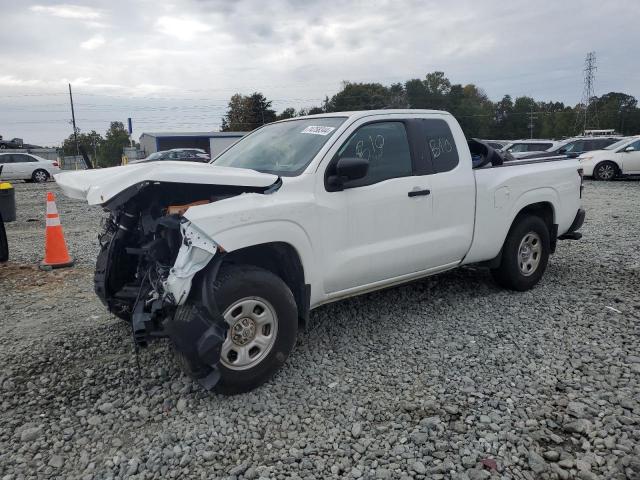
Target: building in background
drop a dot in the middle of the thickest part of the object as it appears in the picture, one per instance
(212, 142)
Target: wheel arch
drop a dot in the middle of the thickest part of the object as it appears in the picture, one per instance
(283, 260)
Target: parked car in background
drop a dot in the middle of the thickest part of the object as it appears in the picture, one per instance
(620, 158)
(519, 146)
(13, 143)
(573, 147)
(180, 154)
(27, 167)
(496, 144)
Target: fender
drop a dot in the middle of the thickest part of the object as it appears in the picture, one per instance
(253, 219)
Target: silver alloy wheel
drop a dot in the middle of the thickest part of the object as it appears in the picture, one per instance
(529, 253)
(606, 171)
(253, 327)
(40, 176)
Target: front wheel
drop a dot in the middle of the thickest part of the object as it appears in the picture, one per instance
(40, 176)
(525, 254)
(605, 171)
(262, 319)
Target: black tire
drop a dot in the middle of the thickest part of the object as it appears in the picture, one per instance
(40, 176)
(4, 244)
(514, 273)
(605, 171)
(235, 283)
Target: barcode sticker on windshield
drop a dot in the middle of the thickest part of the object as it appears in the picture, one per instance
(318, 130)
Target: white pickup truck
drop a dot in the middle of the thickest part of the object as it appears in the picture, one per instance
(228, 258)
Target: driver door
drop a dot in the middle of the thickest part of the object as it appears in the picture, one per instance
(373, 230)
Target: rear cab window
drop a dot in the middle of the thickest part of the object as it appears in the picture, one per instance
(435, 146)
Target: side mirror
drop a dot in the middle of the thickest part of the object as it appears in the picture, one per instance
(347, 169)
(573, 154)
(630, 149)
(562, 151)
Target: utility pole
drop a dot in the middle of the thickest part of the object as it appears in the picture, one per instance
(532, 117)
(73, 120)
(584, 119)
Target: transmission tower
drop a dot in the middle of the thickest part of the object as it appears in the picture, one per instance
(587, 113)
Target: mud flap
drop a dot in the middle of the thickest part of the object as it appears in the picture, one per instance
(199, 341)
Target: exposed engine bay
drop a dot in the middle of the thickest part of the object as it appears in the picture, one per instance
(150, 257)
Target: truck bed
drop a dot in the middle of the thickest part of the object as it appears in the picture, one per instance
(503, 190)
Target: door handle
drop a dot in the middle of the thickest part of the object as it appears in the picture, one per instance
(419, 193)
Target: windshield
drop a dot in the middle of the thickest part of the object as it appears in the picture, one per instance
(618, 144)
(155, 156)
(284, 148)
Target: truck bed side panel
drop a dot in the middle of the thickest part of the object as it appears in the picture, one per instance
(503, 192)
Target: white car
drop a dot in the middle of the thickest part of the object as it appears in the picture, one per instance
(27, 167)
(620, 158)
(518, 147)
(227, 259)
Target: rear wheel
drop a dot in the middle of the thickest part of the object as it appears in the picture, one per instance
(40, 176)
(605, 171)
(262, 320)
(524, 255)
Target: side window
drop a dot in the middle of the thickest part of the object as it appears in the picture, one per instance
(636, 145)
(538, 147)
(600, 144)
(5, 159)
(438, 143)
(24, 158)
(518, 147)
(385, 145)
(576, 146)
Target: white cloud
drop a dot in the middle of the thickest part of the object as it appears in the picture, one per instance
(12, 81)
(179, 62)
(182, 28)
(93, 43)
(65, 10)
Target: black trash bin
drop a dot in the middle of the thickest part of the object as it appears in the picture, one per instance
(4, 245)
(7, 202)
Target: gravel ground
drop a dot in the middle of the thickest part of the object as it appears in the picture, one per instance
(449, 377)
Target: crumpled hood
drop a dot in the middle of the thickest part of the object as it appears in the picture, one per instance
(100, 185)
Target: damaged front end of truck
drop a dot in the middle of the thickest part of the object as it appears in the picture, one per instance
(152, 259)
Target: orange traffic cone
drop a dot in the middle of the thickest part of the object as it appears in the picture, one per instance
(55, 248)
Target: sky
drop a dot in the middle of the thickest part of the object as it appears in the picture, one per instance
(172, 66)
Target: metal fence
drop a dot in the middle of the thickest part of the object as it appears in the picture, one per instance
(72, 162)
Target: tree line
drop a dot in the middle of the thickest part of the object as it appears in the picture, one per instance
(104, 151)
(479, 116)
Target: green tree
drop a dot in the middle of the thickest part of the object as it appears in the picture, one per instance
(618, 111)
(91, 142)
(115, 139)
(286, 113)
(360, 96)
(246, 113)
(433, 92)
